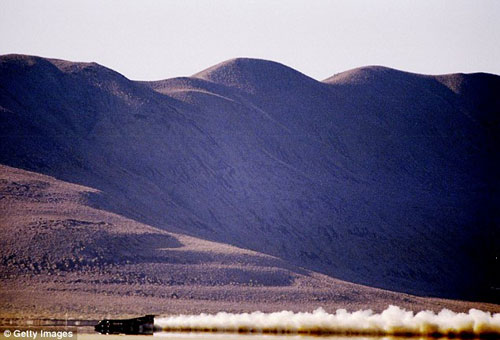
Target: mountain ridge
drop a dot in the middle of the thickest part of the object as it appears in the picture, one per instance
(325, 175)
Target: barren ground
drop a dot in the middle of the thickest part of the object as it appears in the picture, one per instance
(102, 264)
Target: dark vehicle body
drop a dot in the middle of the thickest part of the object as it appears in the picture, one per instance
(141, 325)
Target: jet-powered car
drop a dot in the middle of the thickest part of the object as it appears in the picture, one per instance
(141, 325)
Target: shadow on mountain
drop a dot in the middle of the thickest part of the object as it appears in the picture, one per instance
(374, 176)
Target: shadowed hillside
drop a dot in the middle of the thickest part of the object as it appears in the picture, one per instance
(60, 255)
(373, 176)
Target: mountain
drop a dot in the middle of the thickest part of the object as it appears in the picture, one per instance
(374, 176)
(61, 257)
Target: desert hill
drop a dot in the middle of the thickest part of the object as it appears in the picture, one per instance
(373, 176)
(61, 257)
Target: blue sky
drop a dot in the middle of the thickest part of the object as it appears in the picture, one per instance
(150, 39)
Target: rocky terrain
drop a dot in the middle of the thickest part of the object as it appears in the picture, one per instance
(248, 182)
(61, 257)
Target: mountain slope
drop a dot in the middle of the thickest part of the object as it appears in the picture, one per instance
(374, 176)
(60, 257)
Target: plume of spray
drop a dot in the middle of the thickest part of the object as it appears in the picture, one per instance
(391, 322)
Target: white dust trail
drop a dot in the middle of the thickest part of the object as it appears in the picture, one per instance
(392, 321)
